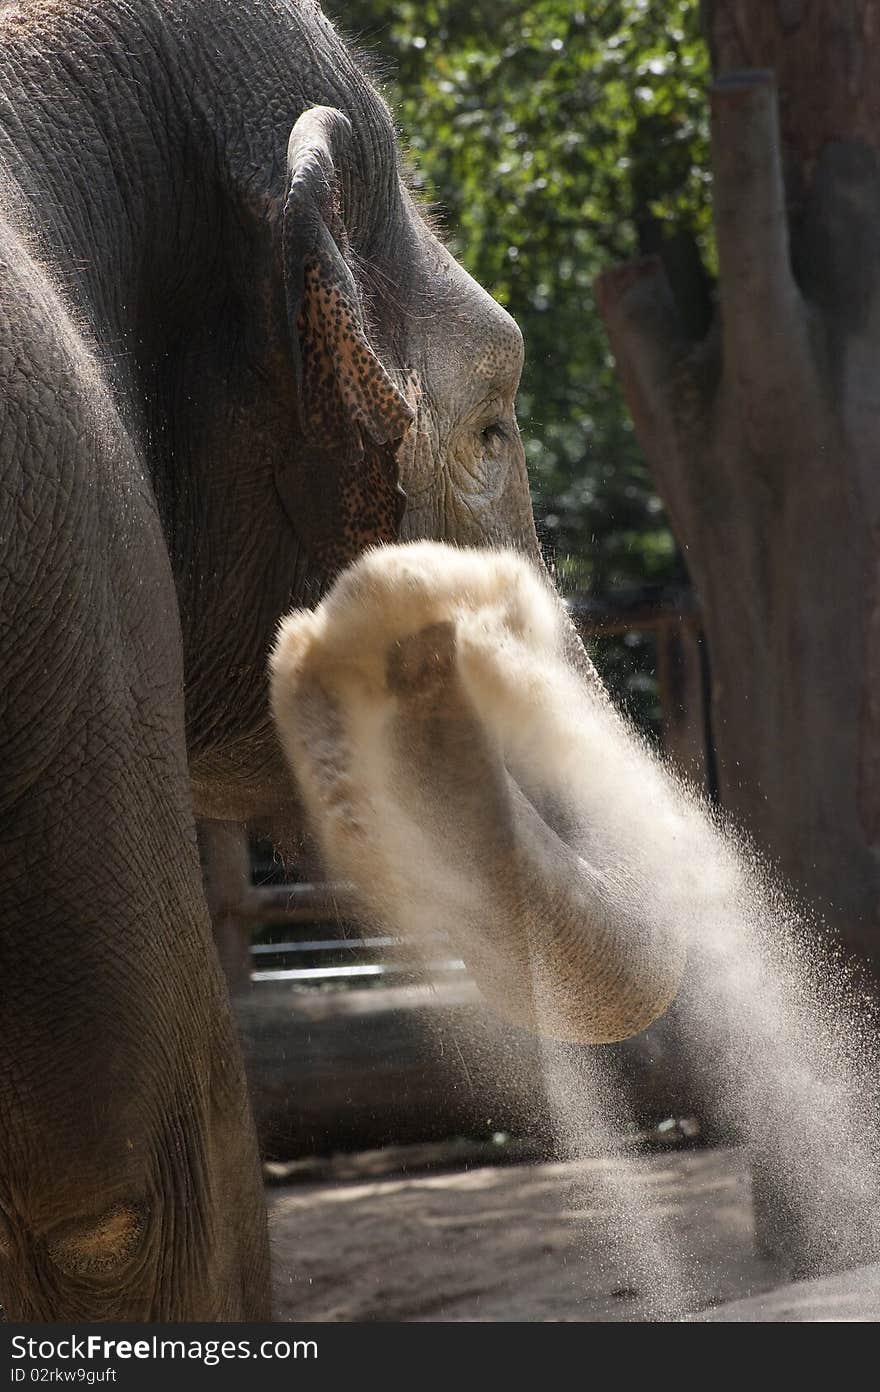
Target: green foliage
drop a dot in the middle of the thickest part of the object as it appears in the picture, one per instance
(555, 142)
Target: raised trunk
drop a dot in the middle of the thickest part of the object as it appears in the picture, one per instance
(440, 744)
(763, 438)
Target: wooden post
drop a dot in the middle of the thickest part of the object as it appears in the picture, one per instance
(680, 679)
(226, 867)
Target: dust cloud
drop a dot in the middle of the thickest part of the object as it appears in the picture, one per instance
(479, 791)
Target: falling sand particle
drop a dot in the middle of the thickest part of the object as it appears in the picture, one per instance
(477, 789)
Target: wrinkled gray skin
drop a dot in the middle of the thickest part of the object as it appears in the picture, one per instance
(159, 486)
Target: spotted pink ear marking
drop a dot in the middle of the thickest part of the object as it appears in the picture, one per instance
(353, 409)
(341, 373)
(343, 494)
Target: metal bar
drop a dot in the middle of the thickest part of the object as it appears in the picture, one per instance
(373, 969)
(324, 945)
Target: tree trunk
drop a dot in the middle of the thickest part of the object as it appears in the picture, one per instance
(764, 435)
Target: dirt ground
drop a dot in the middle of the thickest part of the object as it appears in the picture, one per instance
(516, 1243)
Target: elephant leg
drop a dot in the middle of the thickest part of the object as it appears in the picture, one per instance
(129, 1180)
(130, 1186)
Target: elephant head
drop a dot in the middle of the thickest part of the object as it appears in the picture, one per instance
(383, 411)
(406, 385)
(406, 392)
(401, 374)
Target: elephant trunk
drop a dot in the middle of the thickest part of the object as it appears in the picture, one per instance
(557, 944)
(457, 769)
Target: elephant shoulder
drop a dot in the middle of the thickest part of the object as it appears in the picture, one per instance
(57, 410)
(69, 467)
(40, 342)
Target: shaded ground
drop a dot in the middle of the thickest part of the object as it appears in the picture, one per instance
(519, 1242)
(850, 1297)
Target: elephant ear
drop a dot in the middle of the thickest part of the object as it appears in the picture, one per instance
(344, 494)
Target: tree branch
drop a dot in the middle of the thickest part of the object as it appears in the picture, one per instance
(766, 349)
(647, 339)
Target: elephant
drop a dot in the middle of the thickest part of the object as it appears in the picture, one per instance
(234, 356)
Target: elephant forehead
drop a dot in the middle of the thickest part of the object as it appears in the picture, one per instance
(469, 347)
(483, 351)
(498, 361)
